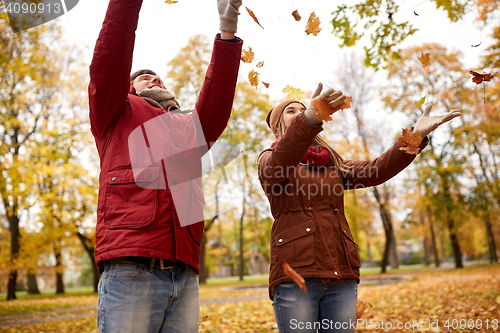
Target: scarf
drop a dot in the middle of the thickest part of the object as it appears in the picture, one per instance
(313, 157)
(160, 98)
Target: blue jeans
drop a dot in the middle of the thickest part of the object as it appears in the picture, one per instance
(327, 307)
(134, 299)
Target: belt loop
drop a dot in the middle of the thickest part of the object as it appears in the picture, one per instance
(152, 265)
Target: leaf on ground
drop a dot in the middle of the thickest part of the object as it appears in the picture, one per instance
(410, 140)
(421, 102)
(296, 15)
(171, 1)
(247, 56)
(265, 84)
(254, 17)
(260, 64)
(313, 25)
(253, 77)
(325, 110)
(292, 274)
(293, 93)
(361, 307)
(425, 59)
(478, 78)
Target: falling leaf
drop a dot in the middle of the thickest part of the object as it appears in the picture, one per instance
(414, 12)
(476, 45)
(478, 78)
(205, 318)
(425, 59)
(325, 109)
(265, 84)
(296, 15)
(247, 56)
(260, 64)
(362, 306)
(293, 93)
(170, 1)
(410, 140)
(299, 280)
(253, 77)
(254, 17)
(313, 25)
(421, 102)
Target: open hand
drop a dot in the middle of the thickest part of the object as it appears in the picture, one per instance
(426, 124)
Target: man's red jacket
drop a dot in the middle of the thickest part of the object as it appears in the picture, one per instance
(136, 215)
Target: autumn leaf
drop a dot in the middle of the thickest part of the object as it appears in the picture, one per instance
(313, 25)
(478, 78)
(247, 56)
(206, 317)
(265, 84)
(293, 93)
(410, 140)
(296, 15)
(253, 77)
(260, 64)
(292, 274)
(324, 109)
(421, 101)
(362, 306)
(425, 59)
(254, 17)
(414, 12)
(170, 1)
(476, 45)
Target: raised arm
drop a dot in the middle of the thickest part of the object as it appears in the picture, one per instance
(111, 64)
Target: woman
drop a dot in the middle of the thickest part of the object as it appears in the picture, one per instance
(304, 180)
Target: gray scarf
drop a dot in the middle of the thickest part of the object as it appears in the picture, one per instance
(160, 97)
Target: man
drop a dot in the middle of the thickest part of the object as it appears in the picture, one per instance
(150, 203)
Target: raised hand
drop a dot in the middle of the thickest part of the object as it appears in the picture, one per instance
(426, 124)
(335, 98)
(228, 14)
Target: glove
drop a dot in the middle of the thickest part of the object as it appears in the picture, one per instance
(335, 98)
(427, 124)
(228, 14)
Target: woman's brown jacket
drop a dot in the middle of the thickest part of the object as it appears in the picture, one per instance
(310, 231)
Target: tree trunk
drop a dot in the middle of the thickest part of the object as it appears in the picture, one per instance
(59, 273)
(425, 241)
(492, 248)
(90, 249)
(15, 235)
(32, 285)
(390, 241)
(433, 239)
(203, 268)
(454, 242)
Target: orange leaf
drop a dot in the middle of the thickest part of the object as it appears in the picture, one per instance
(247, 56)
(296, 15)
(205, 318)
(170, 1)
(265, 84)
(293, 93)
(425, 59)
(478, 78)
(410, 140)
(313, 25)
(362, 306)
(299, 280)
(253, 77)
(254, 17)
(260, 64)
(324, 109)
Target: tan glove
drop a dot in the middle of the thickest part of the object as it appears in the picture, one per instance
(228, 14)
(335, 98)
(426, 124)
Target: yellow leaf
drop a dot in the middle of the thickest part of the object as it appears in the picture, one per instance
(170, 1)
(421, 102)
(313, 25)
(253, 77)
(247, 56)
(293, 93)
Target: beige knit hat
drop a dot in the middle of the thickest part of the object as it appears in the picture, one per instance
(274, 115)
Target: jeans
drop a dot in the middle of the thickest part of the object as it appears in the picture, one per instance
(134, 299)
(327, 307)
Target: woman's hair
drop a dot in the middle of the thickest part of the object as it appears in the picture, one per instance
(335, 159)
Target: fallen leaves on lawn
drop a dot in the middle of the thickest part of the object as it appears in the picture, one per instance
(425, 59)
(247, 56)
(479, 78)
(202, 319)
(313, 25)
(361, 307)
(410, 140)
(293, 93)
(292, 274)
(325, 110)
(254, 17)
(296, 15)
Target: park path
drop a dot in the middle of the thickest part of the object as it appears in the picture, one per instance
(90, 310)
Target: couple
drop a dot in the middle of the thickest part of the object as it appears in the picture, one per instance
(150, 206)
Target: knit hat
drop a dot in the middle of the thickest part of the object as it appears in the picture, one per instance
(274, 115)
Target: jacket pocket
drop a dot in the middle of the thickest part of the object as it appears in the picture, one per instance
(295, 245)
(131, 203)
(197, 203)
(352, 248)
